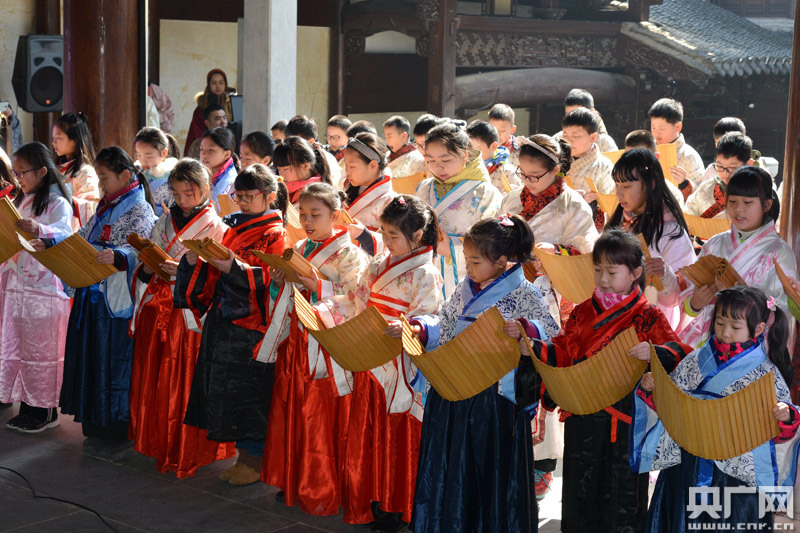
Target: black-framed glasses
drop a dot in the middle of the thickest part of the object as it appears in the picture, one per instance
(244, 198)
(729, 170)
(528, 177)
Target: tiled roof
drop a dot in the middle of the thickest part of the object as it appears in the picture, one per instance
(713, 40)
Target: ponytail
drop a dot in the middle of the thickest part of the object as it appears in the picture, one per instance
(778, 353)
(118, 161)
(173, 148)
(281, 202)
(508, 236)
(142, 179)
(320, 166)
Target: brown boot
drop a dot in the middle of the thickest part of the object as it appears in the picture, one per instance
(229, 473)
(245, 475)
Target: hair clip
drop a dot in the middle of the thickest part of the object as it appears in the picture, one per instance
(401, 200)
(506, 221)
(771, 303)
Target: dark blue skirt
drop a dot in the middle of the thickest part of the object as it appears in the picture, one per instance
(475, 467)
(97, 362)
(668, 513)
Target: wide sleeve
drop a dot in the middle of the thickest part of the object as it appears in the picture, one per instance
(340, 297)
(56, 222)
(676, 253)
(194, 287)
(427, 297)
(579, 229)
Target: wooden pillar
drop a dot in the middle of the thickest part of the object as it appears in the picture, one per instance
(337, 61)
(790, 209)
(101, 67)
(442, 61)
(48, 22)
(153, 41)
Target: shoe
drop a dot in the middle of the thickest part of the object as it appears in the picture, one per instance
(245, 475)
(34, 425)
(279, 496)
(15, 422)
(391, 524)
(228, 474)
(5, 405)
(542, 481)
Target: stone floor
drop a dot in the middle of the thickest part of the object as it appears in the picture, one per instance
(132, 495)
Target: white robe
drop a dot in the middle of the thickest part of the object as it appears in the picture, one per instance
(407, 164)
(595, 166)
(702, 198)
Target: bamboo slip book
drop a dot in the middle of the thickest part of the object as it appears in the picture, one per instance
(226, 205)
(357, 345)
(655, 281)
(597, 382)
(606, 202)
(710, 267)
(294, 231)
(471, 362)
(705, 228)
(408, 184)
(9, 243)
(291, 264)
(150, 255)
(72, 260)
(667, 156)
(787, 283)
(571, 275)
(207, 248)
(716, 429)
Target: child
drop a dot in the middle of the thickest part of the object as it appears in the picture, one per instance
(74, 155)
(32, 299)
(152, 148)
(306, 128)
(666, 123)
(581, 98)
(97, 374)
(733, 151)
(483, 137)
(476, 456)
(646, 207)
(256, 147)
(386, 414)
(336, 135)
(404, 158)
(304, 452)
(723, 126)
(368, 190)
(645, 139)
(459, 191)
(9, 186)
(501, 117)
(740, 350)
(231, 390)
(750, 246)
(165, 348)
(424, 124)
(600, 491)
(217, 153)
(278, 131)
(300, 164)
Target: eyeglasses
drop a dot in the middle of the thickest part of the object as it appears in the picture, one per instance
(527, 177)
(244, 198)
(727, 170)
(21, 173)
(335, 138)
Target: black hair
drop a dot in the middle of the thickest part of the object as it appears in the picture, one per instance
(580, 98)
(76, 127)
(727, 125)
(483, 131)
(154, 137)
(409, 214)
(190, 171)
(361, 126)
(502, 112)
(260, 177)
(294, 151)
(280, 125)
(735, 144)
(585, 118)
(210, 109)
(401, 123)
(451, 136)
(173, 148)
(333, 198)
(641, 139)
(260, 143)
(376, 144)
(302, 126)
(493, 239)
(619, 247)
(560, 149)
(754, 182)
(224, 138)
(426, 123)
(640, 164)
(37, 156)
(750, 303)
(118, 161)
(340, 121)
(668, 109)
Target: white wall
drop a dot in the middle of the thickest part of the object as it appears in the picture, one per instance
(16, 18)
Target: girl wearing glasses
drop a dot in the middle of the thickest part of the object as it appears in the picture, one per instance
(369, 189)
(33, 299)
(231, 390)
(167, 340)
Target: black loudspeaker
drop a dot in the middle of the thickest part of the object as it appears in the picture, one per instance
(38, 78)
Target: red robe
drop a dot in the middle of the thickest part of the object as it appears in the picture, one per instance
(165, 352)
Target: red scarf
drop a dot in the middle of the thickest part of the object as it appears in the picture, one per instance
(533, 203)
(296, 187)
(338, 154)
(718, 205)
(402, 151)
(108, 201)
(510, 144)
(725, 352)
(221, 170)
